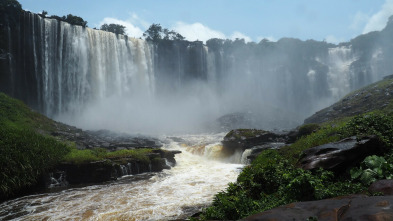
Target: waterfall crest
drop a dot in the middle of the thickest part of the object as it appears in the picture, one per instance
(78, 75)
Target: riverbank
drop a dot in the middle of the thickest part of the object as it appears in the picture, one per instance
(346, 153)
(37, 153)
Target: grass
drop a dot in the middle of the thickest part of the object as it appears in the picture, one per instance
(24, 156)
(324, 135)
(76, 156)
(27, 151)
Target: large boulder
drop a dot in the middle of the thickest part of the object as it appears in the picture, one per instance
(242, 139)
(338, 156)
(356, 207)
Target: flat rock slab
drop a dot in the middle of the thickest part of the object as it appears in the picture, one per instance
(356, 207)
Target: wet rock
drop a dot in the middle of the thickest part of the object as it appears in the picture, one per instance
(338, 156)
(356, 207)
(357, 102)
(382, 186)
(255, 151)
(242, 139)
(92, 172)
(104, 139)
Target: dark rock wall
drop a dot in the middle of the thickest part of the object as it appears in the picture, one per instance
(58, 68)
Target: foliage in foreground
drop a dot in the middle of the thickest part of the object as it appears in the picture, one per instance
(24, 156)
(273, 179)
(272, 182)
(373, 168)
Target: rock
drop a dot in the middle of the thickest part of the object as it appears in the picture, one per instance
(357, 102)
(247, 138)
(168, 155)
(92, 172)
(255, 151)
(338, 156)
(382, 186)
(356, 207)
(104, 139)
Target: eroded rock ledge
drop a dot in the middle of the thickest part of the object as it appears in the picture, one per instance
(355, 207)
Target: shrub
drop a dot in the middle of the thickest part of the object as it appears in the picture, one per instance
(372, 168)
(371, 124)
(267, 184)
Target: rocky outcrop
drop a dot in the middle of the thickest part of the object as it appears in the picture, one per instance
(256, 150)
(110, 169)
(376, 96)
(103, 139)
(247, 138)
(357, 207)
(338, 156)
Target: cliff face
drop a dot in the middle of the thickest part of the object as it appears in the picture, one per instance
(61, 69)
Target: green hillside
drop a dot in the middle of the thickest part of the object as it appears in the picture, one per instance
(25, 153)
(375, 97)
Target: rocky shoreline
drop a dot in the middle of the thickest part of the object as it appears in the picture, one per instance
(94, 172)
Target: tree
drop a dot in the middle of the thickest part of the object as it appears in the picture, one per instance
(6, 5)
(153, 33)
(114, 28)
(44, 13)
(156, 33)
(74, 20)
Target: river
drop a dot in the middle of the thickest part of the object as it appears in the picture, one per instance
(172, 194)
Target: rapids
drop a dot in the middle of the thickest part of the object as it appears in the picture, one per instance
(171, 194)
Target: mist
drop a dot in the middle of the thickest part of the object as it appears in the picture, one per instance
(98, 80)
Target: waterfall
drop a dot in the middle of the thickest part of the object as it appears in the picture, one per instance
(339, 75)
(78, 75)
(75, 66)
(244, 160)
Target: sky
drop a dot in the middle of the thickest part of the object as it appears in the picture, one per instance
(322, 20)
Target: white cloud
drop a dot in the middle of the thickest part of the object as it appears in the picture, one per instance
(138, 21)
(333, 39)
(197, 31)
(192, 32)
(240, 35)
(359, 20)
(378, 20)
(132, 28)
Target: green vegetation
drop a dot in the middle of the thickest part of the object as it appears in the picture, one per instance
(273, 182)
(114, 28)
(72, 19)
(373, 168)
(24, 156)
(27, 151)
(375, 98)
(24, 153)
(156, 33)
(10, 5)
(273, 178)
(76, 156)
